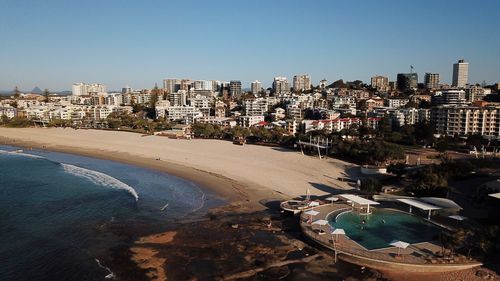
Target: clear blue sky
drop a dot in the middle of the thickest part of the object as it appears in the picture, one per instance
(54, 43)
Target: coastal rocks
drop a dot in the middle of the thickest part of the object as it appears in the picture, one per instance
(146, 257)
(484, 275)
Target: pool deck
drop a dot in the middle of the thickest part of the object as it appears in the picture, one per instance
(421, 257)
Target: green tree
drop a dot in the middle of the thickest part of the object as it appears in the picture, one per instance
(442, 145)
(398, 169)
(46, 95)
(424, 133)
(430, 181)
(371, 186)
(475, 140)
(239, 132)
(17, 93)
(202, 130)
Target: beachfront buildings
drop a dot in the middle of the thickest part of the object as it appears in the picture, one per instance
(339, 124)
(335, 107)
(453, 120)
(249, 121)
(183, 114)
(403, 116)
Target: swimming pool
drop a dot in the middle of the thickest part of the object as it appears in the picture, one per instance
(384, 226)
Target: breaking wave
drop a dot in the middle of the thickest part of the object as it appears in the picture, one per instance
(99, 178)
(20, 153)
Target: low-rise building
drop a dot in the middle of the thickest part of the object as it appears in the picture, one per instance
(249, 121)
(335, 125)
(184, 114)
(397, 102)
(8, 111)
(219, 121)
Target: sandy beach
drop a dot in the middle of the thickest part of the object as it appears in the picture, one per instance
(251, 169)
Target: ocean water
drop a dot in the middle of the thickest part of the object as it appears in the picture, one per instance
(56, 208)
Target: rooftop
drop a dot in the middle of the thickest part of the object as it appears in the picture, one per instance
(358, 200)
(419, 204)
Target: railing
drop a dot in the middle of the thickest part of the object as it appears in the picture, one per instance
(345, 245)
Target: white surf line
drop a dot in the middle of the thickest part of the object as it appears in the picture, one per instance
(21, 154)
(110, 274)
(99, 178)
(202, 203)
(164, 207)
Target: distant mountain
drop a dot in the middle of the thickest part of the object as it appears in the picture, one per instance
(36, 90)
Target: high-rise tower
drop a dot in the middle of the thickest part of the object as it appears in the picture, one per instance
(460, 74)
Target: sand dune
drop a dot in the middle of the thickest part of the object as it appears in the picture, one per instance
(286, 172)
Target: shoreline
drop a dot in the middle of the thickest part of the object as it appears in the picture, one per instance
(245, 213)
(243, 195)
(234, 240)
(143, 251)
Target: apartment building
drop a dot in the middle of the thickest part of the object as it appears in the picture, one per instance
(467, 120)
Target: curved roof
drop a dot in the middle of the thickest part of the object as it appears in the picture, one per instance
(441, 202)
(419, 204)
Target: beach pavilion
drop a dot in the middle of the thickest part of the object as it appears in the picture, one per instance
(420, 205)
(360, 201)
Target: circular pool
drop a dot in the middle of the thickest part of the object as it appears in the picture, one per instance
(383, 226)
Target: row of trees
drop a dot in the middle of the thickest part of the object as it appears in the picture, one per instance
(16, 122)
(254, 134)
(468, 239)
(372, 152)
(432, 180)
(122, 120)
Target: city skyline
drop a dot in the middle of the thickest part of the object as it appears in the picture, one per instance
(141, 44)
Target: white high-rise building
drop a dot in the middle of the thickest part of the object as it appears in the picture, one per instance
(302, 82)
(281, 85)
(203, 85)
(83, 89)
(256, 87)
(460, 74)
(172, 85)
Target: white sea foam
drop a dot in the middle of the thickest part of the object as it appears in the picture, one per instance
(110, 274)
(20, 154)
(202, 199)
(99, 178)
